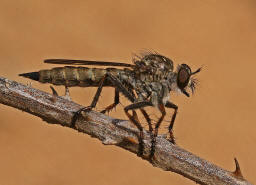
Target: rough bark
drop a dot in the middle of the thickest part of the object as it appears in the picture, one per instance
(169, 157)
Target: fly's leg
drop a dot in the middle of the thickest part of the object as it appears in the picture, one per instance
(175, 107)
(150, 128)
(116, 82)
(134, 119)
(153, 145)
(93, 104)
(121, 88)
(116, 101)
(113, 105)
(146, 116)
(135, 116)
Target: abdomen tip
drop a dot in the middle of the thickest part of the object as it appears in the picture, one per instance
(32, 75)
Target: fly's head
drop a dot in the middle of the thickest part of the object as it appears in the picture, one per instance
(185, 79)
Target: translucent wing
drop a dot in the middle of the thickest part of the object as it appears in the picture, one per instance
(86, 62)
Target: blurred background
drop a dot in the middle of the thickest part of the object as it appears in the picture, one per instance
(217, 123)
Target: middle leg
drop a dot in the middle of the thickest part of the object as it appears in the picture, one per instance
(113, 105)
(133, 118)
(153, 145)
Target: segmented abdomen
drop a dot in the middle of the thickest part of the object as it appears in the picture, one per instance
(74, 76)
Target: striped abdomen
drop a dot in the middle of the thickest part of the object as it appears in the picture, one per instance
(71, 76)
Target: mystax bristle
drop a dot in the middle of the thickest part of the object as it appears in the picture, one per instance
(33, 75)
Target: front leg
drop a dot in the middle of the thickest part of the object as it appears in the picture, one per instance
(175, 107)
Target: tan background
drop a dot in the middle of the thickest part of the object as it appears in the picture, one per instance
(218, 123)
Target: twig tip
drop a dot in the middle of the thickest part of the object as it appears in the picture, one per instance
(237, 173)
(54, 93)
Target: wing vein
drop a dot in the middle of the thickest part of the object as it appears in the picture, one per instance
(86, 62)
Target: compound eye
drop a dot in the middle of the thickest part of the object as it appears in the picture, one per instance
(183, 78)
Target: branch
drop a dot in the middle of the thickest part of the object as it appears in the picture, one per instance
(110, 131)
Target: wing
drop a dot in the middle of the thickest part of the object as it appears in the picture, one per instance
(86, 62)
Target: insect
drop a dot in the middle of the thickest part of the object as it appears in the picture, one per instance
(146, 82)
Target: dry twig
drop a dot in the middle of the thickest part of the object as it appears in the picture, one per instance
(111, 131)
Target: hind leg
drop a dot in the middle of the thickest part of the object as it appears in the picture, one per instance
(93, 104)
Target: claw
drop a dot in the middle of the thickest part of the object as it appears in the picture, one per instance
(172, 138)
(141, 144)
(103, 112)
(77, 114)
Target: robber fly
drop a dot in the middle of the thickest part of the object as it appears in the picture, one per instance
(146, 82)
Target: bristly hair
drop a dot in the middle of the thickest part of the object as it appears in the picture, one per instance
(143, 53)
(193, 84)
